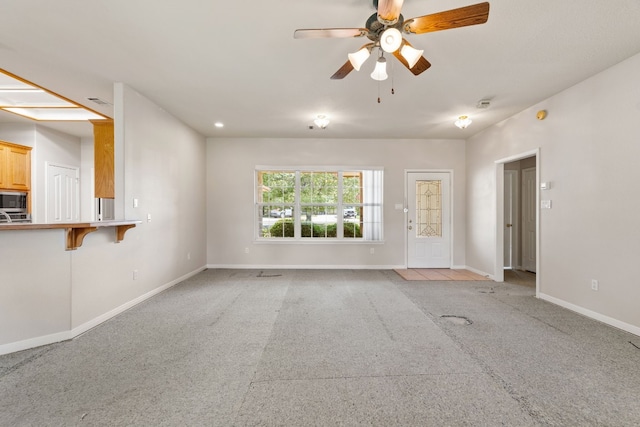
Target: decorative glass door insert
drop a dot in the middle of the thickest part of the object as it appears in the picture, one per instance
(429, 208)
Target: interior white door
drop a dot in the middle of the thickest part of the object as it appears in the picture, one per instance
(529, 207)
(510, 216)
(428, 220)
(62, 200)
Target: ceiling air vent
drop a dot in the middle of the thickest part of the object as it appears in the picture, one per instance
(483, 103)
(99, 101)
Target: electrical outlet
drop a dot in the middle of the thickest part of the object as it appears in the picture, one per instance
(188, 255)
(135, 274)
(594, 285)
(372, 251)
(246, 250)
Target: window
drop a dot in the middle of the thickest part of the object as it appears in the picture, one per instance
(319, 205)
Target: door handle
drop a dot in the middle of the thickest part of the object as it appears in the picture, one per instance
(509, 225)
(410, 228)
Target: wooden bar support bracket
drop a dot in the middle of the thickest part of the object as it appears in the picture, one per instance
(120, 230)
(75, 236)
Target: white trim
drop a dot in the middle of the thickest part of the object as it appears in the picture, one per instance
(592, 314)
(67, 335)
(480, 272)
(126, 306)
(34, 342)
(321, 168)
(304, 267)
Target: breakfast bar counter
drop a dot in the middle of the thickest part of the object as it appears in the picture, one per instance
(76, 231)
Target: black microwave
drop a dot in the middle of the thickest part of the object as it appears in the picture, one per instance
(13, 201)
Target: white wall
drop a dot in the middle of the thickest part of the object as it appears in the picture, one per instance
(164, 168)
(589, 152)
(48, 294)
(230, 198)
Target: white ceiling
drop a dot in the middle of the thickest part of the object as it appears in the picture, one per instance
(237, 62)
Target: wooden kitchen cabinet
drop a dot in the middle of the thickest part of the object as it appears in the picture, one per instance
(104, 159)
(15, 167)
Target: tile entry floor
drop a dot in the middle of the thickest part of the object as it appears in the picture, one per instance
(441, 274)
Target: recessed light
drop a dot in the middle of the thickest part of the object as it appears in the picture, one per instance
(219, 124)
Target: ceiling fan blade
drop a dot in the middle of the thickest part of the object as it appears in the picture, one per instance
(454, 18)
(322, 33)
(419, 67)
(343, 71)
(389, 11)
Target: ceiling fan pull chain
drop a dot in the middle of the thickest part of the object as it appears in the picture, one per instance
(393, 91)
(378, 91)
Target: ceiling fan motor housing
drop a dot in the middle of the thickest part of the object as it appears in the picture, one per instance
(376, 28)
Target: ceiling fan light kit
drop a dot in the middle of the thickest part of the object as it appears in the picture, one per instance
(390, 40)
(380, 72)
(385, 29)
(358, 58)
(411, 54)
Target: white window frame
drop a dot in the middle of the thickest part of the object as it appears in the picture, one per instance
(370, 234)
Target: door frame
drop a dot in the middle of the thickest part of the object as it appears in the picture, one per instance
(451, 211)
(500, 224)
(515, 221)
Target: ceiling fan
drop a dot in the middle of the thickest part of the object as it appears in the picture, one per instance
(385, 27)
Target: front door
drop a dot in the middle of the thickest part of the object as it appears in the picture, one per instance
(428, 220)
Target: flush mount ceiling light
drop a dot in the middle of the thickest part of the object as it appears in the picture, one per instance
(26, 99)
(321, 121)
(463, 122)
(219, 125)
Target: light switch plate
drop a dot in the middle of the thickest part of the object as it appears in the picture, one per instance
(545, 204)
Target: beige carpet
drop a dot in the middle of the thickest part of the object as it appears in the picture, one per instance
(438, 274)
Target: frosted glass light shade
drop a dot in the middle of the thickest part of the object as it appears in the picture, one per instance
(390, 40)
(321, 121)
(463, 122)
(411, 54)
(380, 72)
(358, 58)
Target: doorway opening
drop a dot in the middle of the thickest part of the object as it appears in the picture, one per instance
(517, 219)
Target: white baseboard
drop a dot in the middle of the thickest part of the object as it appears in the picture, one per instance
(480, 272)
(34, 342)
(592, 314)
(303, 267)
(126, 306)
(67, 335)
